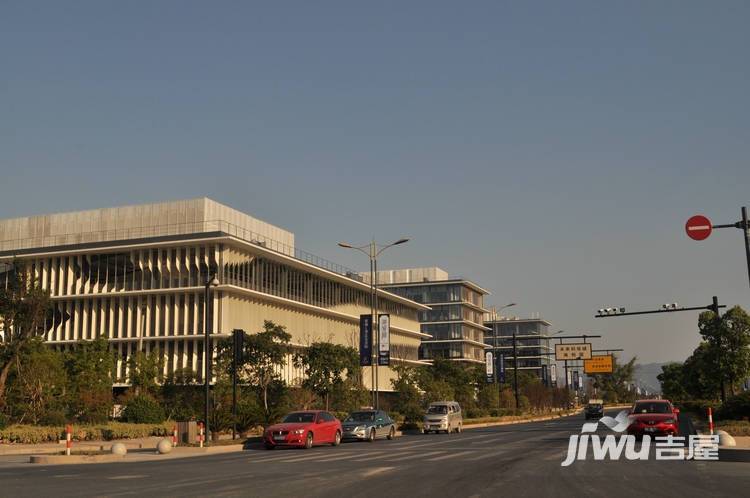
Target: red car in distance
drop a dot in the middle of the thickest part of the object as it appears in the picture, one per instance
(304, 429)
(655, 417)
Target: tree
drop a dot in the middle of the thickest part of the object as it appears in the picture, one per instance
(326, 366)
(145, 371)
(262, 355)
(616, 385)
(672, 380)
(90, 367)
(728, 338)
(698, 373)
(409, 400)
(37, 386)
(24, 311)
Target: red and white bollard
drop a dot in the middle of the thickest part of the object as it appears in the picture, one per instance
(710, 421)
(174, 436)
(68, 439)
(200, 433)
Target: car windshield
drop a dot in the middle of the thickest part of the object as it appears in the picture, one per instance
(360, 417)
(595, 405)
(299, 418)
(439, 409)
(651, 408)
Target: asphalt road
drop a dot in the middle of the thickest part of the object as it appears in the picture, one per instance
(518, 460)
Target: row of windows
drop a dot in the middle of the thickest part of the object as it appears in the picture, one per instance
(123, 317)
(281, 280)
(443, 331)
(439, 293)
(521, 328)
(180, 267)
(442, 313)
(453, 350)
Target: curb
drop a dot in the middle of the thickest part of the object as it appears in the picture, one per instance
(65, 459)
(523, 421)
(727, 454)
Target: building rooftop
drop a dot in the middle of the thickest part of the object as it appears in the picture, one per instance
(135, 222)
(417, 276)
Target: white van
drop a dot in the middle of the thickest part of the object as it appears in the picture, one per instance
(443, 416)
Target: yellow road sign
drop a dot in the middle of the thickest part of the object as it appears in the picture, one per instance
(598, 364)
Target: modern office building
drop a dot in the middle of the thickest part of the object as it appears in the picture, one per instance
(137, 276)
(532, 342)
(454, 320)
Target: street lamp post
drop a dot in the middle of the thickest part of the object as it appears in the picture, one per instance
(373, 250)
(207, 317)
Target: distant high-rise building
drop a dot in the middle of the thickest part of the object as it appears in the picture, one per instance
(532, 342)
(454, 321)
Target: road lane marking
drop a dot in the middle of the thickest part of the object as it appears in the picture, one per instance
(449, 455)
(416, 456)
(377, 470)
(135, 476)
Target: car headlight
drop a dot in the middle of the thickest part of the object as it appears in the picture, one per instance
(299, 431)
(359, 428)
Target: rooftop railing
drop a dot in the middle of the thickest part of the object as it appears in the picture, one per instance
(225, 227)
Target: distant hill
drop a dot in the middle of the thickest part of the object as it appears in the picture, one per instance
(645, 376)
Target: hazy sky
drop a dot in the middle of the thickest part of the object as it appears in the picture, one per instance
(551, 151)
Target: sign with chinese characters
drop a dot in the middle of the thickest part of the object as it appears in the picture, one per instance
(553, 374)
(365, 340)
(501, 368)
(384, 340)
(598, 364)
(573, 351)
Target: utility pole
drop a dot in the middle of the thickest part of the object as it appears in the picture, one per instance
(515, 369)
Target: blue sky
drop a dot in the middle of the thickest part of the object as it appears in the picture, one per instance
(551, 151)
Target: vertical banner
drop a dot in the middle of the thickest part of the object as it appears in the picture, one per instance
(501, 368)
(489, 367)
(365, 340)
(553, 374)
(384, 340)
(545, 381)
(576, 380)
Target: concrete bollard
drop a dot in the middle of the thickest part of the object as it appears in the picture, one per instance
(164, 446)
(174, 436)
(200, 433)
(725, 439)
(118, 449)
(710, 421)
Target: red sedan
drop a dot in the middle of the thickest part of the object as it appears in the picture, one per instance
(655, 417)
(304, 429)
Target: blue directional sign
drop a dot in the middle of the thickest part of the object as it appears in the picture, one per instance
(365, 340)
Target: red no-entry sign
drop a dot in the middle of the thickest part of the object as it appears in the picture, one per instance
(698, 227)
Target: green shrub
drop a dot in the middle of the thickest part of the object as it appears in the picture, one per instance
(142, 409)
(697, 406)
(33, 434)
(735, 408)
(3, 420)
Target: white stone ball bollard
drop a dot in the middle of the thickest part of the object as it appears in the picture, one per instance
(164, 446)
(118, 449)
(725, 439)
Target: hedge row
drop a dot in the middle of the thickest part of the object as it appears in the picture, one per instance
(32, 434)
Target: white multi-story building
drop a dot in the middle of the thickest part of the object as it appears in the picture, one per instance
(137, 275)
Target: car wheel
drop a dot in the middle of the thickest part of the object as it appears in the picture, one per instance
(309, 441)
(337, 439)
(392, 433)
(371, 437)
